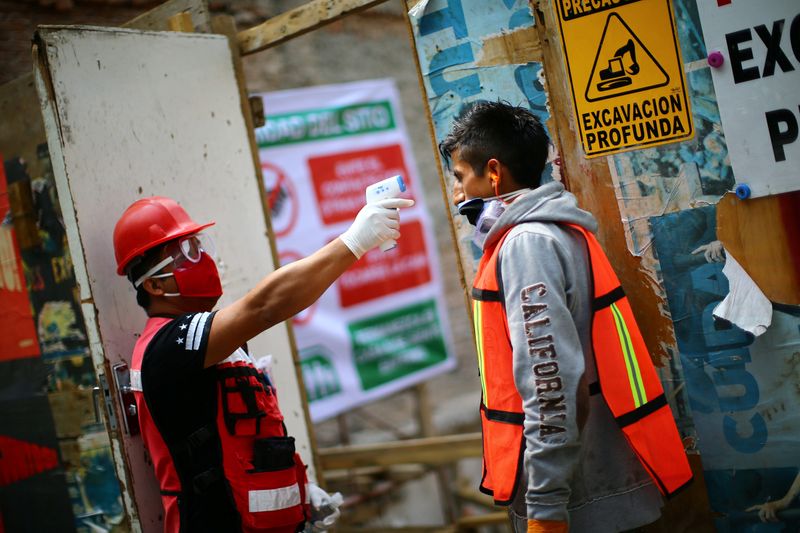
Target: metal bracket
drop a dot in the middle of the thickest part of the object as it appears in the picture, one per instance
(127, 401)
(106, 392)
(257, 110)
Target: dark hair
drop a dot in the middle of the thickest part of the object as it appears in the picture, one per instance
(137, 268)
(512, 135)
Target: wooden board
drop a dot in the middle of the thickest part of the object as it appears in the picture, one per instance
(763, 234)
(294, 23)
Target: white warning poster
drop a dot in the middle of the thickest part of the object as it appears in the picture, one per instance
(757, 83)
(383, 326)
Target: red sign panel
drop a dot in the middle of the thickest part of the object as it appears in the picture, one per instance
(379, 273)
(17, 330)
(340, 179)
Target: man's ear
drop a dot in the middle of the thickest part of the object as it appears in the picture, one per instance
(494, 169)
(154, 286)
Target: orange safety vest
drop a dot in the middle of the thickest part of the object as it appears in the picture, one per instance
(627, 379)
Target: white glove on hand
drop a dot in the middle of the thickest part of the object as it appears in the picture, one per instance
(324, 508)
(374, 224)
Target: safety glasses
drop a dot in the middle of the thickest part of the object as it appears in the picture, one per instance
(189, 248)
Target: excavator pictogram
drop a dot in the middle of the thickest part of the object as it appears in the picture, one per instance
(619, 71)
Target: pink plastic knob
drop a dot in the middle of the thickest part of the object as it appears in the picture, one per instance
(716, 59)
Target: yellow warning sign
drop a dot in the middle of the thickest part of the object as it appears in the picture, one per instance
(625, 72)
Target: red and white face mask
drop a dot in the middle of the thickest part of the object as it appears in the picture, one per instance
(195, 271)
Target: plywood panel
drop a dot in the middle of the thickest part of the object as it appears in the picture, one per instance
(763, 234)
(132, 114)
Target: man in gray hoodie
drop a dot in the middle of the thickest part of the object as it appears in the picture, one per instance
(576, 471)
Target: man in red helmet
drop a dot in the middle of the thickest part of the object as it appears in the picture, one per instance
(209, 418)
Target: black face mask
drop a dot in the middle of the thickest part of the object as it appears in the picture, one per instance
(471, 209)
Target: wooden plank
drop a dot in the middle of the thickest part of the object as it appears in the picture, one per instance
(590, 180)
(181, 22)
(517, 47)
(385, 529)
(397, 473)
(771, 258)
(468, 493)
(431, 451)
(157, 19)
(500, 517)
(297, 22)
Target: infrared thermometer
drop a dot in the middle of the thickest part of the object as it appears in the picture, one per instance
(388, 188)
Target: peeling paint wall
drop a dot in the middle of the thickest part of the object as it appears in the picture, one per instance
(469, 51)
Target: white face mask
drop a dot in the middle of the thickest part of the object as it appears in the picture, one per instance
(493, 207)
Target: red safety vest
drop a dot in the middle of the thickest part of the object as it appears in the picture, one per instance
(271, 498)
(627, 379)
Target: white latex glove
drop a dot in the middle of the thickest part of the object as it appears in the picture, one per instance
(324, 508)
(374, 224)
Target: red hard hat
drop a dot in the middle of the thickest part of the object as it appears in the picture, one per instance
(146, 224)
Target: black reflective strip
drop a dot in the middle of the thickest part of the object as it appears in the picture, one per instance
(506, 417)
(171, 492)
(637, 414)
(483, 295)
(607, 299)
(594, 388)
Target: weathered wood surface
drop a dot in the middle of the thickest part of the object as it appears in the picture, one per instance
(298, 21)
(763, 235)
(431, 451)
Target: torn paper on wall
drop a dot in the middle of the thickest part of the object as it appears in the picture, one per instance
(745, 305)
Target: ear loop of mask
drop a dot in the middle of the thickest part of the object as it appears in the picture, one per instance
(205, 244)
(156, 268)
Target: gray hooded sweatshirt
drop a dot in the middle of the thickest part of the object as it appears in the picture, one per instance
(578, 465)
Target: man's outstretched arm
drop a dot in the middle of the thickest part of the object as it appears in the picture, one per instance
(291, 288)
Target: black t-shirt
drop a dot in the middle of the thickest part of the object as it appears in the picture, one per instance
(181, 396)
(178, 390)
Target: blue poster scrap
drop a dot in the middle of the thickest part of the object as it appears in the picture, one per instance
(743, 390)
(690, 33)
(449, 37)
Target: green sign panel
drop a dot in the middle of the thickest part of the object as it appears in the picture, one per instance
(389, 346)
(320, 124)
(319, 374)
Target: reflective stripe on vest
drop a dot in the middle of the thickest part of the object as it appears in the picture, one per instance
(501, 406)
(627, 379)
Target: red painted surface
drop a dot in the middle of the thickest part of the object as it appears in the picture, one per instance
(341, 178)
(21, 460)
(17, 329)
(379, 273)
